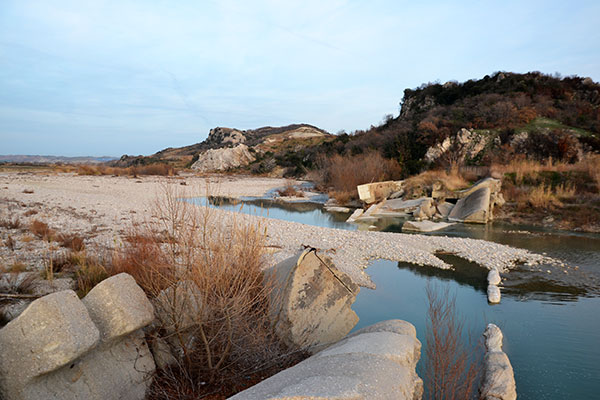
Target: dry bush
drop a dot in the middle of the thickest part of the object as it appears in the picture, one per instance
(10, 223)
(151, 169)
(565, 191)
(344, 173)
(289, 190)
(71, 241)
(41, 230)
(205, 279)
(452, 364)
(420, 185)
(17, 266)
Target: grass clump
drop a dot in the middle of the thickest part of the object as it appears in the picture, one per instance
(41, 230)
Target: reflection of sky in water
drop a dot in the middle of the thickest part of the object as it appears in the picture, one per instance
(553, 346)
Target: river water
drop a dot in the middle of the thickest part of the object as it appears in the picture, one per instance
(550, 318)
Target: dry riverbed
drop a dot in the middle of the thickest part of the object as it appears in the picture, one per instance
(100, 209)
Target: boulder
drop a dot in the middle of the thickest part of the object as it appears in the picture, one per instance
(425, 210)
(66, 348)
(493, 277)
(498, 376)
(424, 226)
(355, 215)
(377, 362)
(493, 294)
(473, 208)
(378, 191)
(223, 159)
(311, 308)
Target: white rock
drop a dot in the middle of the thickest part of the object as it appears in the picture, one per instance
(493, 293)
(493, 277)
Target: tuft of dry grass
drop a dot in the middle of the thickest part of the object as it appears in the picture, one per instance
(17, 266)
(71, 241)
(289, 190)
(151, 169)
(10, 223)
(29, 213)
(342, 174)
(10, 243)
(543, 197)
(41, 230)
(452, 365)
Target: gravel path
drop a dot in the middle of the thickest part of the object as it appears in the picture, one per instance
(101, 208)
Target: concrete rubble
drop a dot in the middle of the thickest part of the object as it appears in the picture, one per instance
(498, 376)
(313, 300)
(65, 348)
(376, 362)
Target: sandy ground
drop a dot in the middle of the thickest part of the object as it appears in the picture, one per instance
(101, 208)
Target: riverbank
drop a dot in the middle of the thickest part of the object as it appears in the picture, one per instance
(100, 209)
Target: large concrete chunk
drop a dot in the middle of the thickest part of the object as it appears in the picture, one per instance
(424, 226)
(53, 331)
(376, 364)
(122, 371)
(373, 192)
(312, 305)
(474, 208)
(59, 349)
(498, 376)
(118, 306)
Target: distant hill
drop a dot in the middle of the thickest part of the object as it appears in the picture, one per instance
(269, 146)
(35, 159)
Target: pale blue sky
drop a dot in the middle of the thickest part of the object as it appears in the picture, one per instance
(114, 77)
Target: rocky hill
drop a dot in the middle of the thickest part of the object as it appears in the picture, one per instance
(228, 148)
(498, 117)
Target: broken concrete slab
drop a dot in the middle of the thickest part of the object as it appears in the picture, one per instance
(70, 349)
(378, 191)
(376, 363)
(424, 226)
(355, 215)
(498, 375)
(473, 208)
(312, 303)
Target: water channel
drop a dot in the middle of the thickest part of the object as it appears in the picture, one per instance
(550, 318)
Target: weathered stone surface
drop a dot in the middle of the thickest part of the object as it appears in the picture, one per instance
(493, 277)
(444, 209)
(498, 377)
(493, 294)
(64, 350)
(424, 226)
(474, 208)
(467, 144)
(376, 364)
(378, 191)
(121, 371)
(403, 349)
(312, 307)
(356, 214)
(53, 331)
(118, 306)
(337, 209)
(397, 326)
(425, 210)
(224, 159)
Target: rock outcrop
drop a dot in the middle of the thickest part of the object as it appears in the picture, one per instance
(61, 347)
(223, 159)
(465, 145)
(312, 306)
(476, 204)
(498, 376)
(377, 362)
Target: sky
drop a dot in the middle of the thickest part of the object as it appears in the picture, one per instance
(133, 77)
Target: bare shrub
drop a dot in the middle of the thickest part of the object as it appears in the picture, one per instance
(41, 230)
(71, 241)
(10, 223)
(452, 364)
(421, 185)
(289, 190)
(344, 173)
(151, 169)
(205, 279)
(543, 197)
